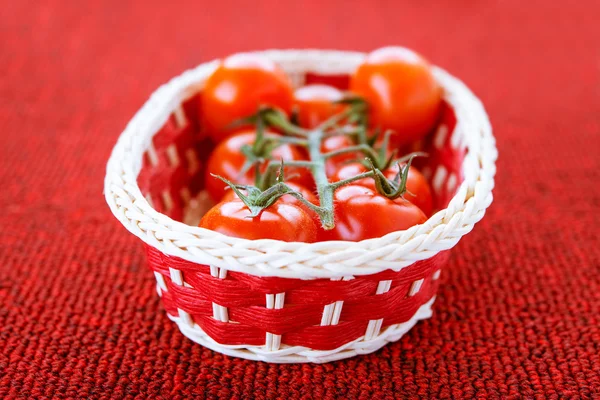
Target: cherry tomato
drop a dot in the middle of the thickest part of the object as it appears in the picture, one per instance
(279, 221)
(402, 93)
(360, 214)
(236, 89)
(315, 104)
(287, 199)
(416, 183)
(227, 161)
(333, 143)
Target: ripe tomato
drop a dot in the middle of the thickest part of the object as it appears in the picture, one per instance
(360, 214)
(415, 184)
(236, 89)
(315, 104)
(333, 143)
(287, 199)
(279, 221)
(227, 161)
(401, 91)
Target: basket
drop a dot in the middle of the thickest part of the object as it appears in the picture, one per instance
(291, 302)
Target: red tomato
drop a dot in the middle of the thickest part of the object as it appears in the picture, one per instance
(360, 214)
(315, 104)
(279, 221)
(416, 183)
(333, 143)
(227, 161)
(401, 91)
(236, 89)
(288, 198)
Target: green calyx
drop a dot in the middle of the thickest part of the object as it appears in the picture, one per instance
(257, 199)
(261, 149)
(396, 187)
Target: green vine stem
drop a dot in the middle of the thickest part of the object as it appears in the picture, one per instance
(316, 165)
(324, 189)
(367, 150)
(270, 186)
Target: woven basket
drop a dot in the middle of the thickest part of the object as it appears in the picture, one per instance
(291, 302)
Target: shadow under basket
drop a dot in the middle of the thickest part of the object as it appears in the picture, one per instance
(292, 302)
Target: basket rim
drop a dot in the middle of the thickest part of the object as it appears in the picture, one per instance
(268, 257)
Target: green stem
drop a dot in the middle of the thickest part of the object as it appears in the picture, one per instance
(292, 140)
(410, 156)
(280, 189)
(362, 135)
(364, 148)
(335, 119)
(338, 184)
(259, 199)
(292, 163)
(319, 210)
(299, 163)
(276, 119)
(343, 131)
(324, 189)
(267, 178)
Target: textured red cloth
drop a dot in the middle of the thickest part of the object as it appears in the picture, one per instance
(517, 310)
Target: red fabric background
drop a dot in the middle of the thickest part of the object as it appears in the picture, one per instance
(517, 312)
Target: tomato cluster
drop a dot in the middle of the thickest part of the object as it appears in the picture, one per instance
(311, 164)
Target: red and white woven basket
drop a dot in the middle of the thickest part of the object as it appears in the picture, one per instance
(291, 302)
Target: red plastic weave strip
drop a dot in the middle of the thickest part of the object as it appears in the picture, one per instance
(299, 320)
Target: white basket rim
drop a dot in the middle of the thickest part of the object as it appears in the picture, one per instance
(269, 257)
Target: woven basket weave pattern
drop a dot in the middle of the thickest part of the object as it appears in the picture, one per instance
(320, 314)
(232, 295)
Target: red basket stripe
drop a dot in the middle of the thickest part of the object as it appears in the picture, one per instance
(326, 337)
(299, 320)
(277, 321)
(224, 292)
(189, 300)
(230, 333)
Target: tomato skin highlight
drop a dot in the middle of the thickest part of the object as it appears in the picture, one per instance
(227, 160)
(402, 93)
(361, 214)
(236, 89)
(420, 191)
(315, 104)
(280, 221)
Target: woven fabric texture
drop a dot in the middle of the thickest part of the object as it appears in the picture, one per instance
(517, 311)
(299, 320)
